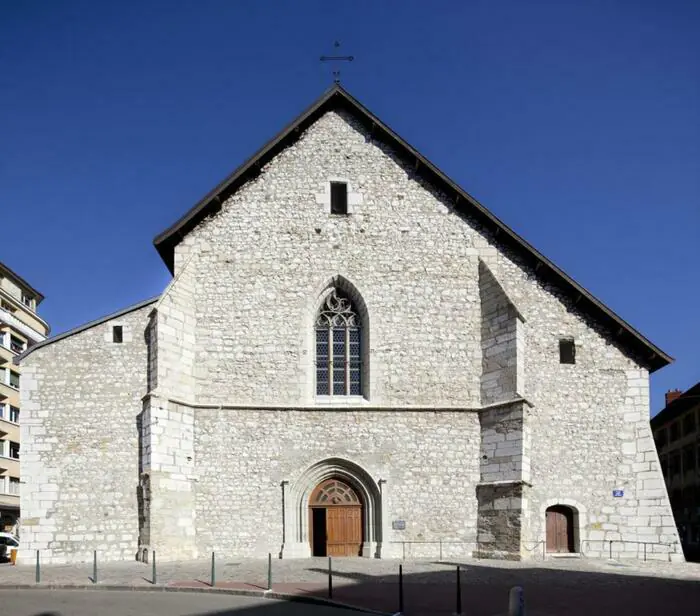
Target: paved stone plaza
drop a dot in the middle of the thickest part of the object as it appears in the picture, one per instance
(557, 586)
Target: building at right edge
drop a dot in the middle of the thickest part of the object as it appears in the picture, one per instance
(677, 440)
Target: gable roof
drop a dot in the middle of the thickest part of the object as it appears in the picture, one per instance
(337, 98)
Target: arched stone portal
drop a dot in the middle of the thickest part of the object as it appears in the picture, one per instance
(302, 497)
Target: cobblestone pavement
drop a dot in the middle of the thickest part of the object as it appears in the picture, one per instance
(570, 586)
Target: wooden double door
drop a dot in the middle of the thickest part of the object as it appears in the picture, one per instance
(560, 529)
(335, 520)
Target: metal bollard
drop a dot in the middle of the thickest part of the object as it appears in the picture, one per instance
(213, 571)
(330, 578)
(94, 567)
(516, 602)
(400, 589)
(37, 576)
(458, 611)
(611, 542)
(269, 571)
(154, 579)
(645, 552)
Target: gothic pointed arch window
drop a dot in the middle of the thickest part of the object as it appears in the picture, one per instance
(338, 346)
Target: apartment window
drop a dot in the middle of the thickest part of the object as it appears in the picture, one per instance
(689, 423)
(27, 300)
(14, 450)
(567, 351)
(339, 198)
(660, 438)
(117, 333)
(16, 344)
(14, 486)
(7, 306)
(688, 460)
(675, 431)
(675, 465)
(14, 414)
(14, 379)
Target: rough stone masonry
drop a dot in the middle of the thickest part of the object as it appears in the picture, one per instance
(202, 430)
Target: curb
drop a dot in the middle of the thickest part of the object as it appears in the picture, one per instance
(265, 594)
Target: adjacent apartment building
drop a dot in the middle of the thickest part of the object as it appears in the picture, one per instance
(20, 328)
(677, 434)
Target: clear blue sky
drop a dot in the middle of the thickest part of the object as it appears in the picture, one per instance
(577, 123)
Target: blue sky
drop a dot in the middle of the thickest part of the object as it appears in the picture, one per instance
(577, 123)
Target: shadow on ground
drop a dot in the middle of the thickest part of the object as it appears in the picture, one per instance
(484, 588)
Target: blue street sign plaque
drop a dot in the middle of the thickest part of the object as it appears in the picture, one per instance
(618, 493)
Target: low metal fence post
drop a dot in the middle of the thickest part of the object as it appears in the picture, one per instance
(400, 589)
(37, 576)
(213, 570)
(516, 602)
(330, 578)
(94, 567)
(458, 611)
(154, 579)
(269, 570)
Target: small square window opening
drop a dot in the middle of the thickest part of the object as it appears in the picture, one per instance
(339, 198)
(117, 333)
(567, 351)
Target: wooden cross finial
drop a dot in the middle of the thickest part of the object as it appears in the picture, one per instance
(335, 59)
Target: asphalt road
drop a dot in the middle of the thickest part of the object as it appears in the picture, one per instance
(135, 603)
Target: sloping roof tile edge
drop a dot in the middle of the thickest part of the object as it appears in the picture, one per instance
(81, 328)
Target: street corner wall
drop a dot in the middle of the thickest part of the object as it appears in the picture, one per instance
(81, 396)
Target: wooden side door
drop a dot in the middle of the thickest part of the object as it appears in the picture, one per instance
(560, 530)
(344, 531)
(552, 532)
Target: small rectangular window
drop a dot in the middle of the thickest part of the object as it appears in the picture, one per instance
(660, 438)
(339, 198)
(14, 379)
(14, 450)
(567, 351)
(675, 465)
(27, 300)
(14, 414)
(689, 459)
(675, 431)
(14, 485)
(16, 344)
(689, 424)
(117, 333)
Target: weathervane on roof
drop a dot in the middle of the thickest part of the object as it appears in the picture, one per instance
(336, 59)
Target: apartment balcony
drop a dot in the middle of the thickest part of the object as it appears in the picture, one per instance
(9, 430)
(9, 501)
(9, 466)
(9, 394)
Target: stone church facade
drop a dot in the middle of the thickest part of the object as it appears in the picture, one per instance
(353, 357)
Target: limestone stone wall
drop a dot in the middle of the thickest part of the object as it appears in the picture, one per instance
(232, 382)
(261, 263)
(427, 462)
(79, 462)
